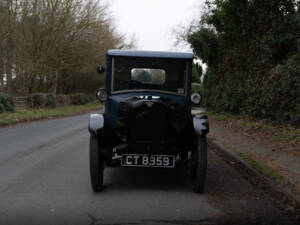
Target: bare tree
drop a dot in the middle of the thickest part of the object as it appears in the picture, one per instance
(46, 42)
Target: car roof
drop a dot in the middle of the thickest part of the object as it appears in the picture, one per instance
(150, 54)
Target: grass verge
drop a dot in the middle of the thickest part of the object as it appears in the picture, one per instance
(37, 114)
(261, 168)
(286, 134)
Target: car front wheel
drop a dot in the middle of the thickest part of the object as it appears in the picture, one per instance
(96, 164)
(200, 164)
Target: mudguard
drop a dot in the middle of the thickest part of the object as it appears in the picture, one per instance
(96, 123)
(201, 125)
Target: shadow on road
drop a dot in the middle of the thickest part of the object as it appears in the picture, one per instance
(147, 179)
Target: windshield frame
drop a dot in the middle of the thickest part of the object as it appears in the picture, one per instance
(150, 90)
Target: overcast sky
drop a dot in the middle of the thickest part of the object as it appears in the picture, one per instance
(152, 21)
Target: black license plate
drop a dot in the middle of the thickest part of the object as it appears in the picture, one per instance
(142, 160)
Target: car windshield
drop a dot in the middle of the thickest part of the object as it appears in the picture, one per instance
(130, 73)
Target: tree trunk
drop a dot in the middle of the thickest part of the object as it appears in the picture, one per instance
(1, 77)
(55, 84)
(18, 79)
(9, 51)
(9, 74)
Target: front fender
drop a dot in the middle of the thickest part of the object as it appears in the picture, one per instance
(96, 123)
(201, 124)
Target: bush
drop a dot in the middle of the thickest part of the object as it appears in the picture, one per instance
(36, 100)
(84, 99)
(91, 98)
(252, 61)
(196, 87)
(47, 100)
(6, 103)
(50, 101)
(81, 99)
(63, 100)
(41, 100)
(75, 99)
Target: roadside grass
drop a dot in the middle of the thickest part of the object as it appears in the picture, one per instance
(277, 132)
(261, 168)
(37, 114)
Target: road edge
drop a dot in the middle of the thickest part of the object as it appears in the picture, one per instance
(21, 122)
(284, 196)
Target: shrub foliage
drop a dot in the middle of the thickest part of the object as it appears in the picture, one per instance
(6, 103)
(81, 99)
(252, 50)
(47, 100)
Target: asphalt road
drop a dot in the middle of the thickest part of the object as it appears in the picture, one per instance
(44, 179)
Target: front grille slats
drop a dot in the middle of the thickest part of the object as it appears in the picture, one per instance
(149, 124)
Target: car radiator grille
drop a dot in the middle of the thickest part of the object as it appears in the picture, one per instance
(149, 125)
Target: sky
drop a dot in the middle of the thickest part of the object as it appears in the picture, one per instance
(151, 22)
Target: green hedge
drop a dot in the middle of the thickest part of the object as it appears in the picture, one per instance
(252, 61)
(36, 100)
(196, 87)
(81, 99)
(41, 100)
(45, 100)
(6, 103)
(272, 95)
(50, 101)
(63, 100)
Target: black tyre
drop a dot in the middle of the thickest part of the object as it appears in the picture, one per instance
(96, 164)
(199, 165)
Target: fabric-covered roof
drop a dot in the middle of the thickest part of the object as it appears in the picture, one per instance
(150, 54)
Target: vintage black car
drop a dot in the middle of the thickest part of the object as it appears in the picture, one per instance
(147, 120)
